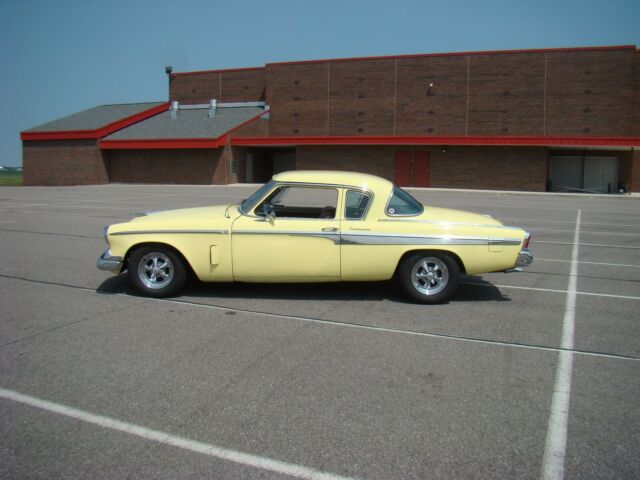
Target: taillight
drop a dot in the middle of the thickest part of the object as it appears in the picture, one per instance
(527, 239)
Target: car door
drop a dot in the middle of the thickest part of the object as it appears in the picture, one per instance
(292, 235)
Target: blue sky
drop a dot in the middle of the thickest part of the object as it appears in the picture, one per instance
(60, 57)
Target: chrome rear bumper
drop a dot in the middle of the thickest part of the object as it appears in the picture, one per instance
(109, 263)
(525, 258)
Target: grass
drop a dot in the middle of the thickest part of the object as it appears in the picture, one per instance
(10, 178)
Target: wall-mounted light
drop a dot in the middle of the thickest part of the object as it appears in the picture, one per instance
(430, 89)
(444, 149)
(168, 69)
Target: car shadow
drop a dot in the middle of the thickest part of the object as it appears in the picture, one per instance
(480, 291)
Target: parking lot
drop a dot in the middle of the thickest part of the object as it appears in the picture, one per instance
(521, 376)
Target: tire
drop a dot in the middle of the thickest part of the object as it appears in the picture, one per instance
(156, 271)
(429, 277)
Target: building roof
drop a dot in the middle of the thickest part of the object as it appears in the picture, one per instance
(95, 118)
(188, 124)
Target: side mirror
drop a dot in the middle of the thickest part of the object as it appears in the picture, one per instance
(269, 213)
(271, 216)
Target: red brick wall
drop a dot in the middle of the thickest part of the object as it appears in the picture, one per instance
(634, 174)
(441, 110)
(564, 93)
(590, 93)
(506, 94)
(196, 166)
(374, 160)
(490, 168)
(63, 162)
(362, 100)
(299, 99)
(257, 128)
(458, 167)
(225, 86)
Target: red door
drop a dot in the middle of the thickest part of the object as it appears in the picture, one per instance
(403, 169)
(421, 169)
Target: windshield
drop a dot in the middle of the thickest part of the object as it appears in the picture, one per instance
(401, 203)
(246, 204)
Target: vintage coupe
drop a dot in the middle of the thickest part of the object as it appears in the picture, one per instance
(315, 226)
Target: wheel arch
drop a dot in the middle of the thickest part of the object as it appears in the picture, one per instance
(453, 255)
(175, 250)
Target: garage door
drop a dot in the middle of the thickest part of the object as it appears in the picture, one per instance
(583, 174)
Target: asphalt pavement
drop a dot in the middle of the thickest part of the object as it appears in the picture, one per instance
(519, 376)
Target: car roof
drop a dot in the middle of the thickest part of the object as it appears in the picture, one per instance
(334, 177)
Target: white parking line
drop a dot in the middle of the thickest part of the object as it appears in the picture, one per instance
(545, 221)
(536, 229)
(556, 441)
(246, 459)
(538, 259)
(551, 290)
(52, 205)
(587, 244)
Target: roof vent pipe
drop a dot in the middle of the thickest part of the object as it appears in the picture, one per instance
(213, 104)
(173, 110)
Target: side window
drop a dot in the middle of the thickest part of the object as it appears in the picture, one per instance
(401, 203)
(301, 202)
(357, 204)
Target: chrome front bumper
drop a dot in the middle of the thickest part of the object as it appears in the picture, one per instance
(109, 263)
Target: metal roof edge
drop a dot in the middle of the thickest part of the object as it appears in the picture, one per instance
(443, 140)
(95, 133)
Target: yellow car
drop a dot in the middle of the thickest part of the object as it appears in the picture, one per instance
(315, 226)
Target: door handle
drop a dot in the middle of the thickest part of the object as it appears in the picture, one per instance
(330, 229)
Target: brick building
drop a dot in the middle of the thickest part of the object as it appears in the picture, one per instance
(555, 119)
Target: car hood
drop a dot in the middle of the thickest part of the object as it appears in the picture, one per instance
(448, 215)
(185, 214)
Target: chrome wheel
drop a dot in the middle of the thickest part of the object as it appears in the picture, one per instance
(155, 270)
(430, 275)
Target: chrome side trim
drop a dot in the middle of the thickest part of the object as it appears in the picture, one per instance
(108, 263)
(149, 232)
(334, 237)
(445, 223)
(387, 239)
(395, 239)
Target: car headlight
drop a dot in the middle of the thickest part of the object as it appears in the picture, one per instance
(105, 233)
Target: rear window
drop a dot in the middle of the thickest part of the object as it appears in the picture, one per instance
(401, 203)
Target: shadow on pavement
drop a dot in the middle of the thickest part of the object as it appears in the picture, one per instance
(481, 291)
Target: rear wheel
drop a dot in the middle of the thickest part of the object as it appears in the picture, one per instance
(429, 277)
(156, 271)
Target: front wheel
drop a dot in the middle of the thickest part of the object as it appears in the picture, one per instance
(429, 277)
(156, 271)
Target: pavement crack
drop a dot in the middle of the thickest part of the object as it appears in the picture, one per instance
(64, 325)
(49, 233)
